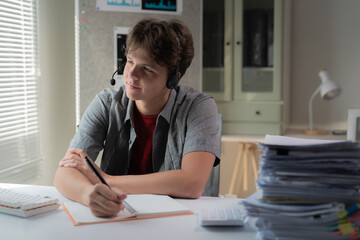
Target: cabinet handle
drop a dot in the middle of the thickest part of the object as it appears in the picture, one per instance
(227, 43)
(237, 42)
(258, 112)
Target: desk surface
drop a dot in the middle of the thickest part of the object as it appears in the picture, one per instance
(57, 225)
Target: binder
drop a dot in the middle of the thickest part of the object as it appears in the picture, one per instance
(258, 37)
(246, 38)
(270, 38)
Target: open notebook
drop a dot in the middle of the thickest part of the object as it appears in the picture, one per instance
(138, 206)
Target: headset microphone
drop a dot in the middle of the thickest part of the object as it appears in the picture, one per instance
(112, 80)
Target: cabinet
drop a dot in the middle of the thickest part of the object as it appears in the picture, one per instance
(246, 64)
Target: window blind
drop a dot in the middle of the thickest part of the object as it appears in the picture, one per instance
(20, 152)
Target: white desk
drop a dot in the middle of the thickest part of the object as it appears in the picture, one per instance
(57, 225)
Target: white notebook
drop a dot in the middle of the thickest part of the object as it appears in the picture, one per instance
(138, 206)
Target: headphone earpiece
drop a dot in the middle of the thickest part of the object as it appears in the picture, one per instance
(174, 79)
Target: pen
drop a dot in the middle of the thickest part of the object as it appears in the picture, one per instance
(93, 168)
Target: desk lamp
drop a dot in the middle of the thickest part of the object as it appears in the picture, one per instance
(328, 90)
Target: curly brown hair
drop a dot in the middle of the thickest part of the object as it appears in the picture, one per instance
(161, 40)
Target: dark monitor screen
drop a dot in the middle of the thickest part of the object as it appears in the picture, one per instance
(121, 58)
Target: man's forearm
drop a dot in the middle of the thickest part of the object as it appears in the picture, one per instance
(187, 182)
(72, 184)
(173, 183)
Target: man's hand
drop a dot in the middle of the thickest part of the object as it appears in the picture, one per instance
(74, 158)
(105, 202)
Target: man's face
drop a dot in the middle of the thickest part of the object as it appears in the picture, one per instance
(145, 80)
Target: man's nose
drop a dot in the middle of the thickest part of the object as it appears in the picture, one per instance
(134, 72)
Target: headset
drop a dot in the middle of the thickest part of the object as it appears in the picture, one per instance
(173, 79)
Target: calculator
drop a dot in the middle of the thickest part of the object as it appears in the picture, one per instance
(221, 217)
(25, 204)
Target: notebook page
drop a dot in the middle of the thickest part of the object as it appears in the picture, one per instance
(149, 205)
(82, 214)
(146, 206)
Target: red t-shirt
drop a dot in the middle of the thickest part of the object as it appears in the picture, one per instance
(141, 153)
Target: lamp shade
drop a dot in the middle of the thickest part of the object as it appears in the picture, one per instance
(328, 88)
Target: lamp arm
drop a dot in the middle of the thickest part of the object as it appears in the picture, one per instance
(310, 108)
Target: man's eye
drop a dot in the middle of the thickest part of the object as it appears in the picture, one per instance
(147, 69)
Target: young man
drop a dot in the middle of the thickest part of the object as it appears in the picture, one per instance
(157, 137)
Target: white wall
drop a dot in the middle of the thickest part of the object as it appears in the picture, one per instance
(57, 87)
(325, 34)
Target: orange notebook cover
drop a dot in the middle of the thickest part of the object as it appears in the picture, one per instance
(138, 206)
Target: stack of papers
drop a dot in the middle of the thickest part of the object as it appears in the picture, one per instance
(309, 189)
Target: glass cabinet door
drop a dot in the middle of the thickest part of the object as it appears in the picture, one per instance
(242, 42)
(257, 58)
(243, 64)
(216, 48)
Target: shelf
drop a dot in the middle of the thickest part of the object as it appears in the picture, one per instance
(260, 69)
